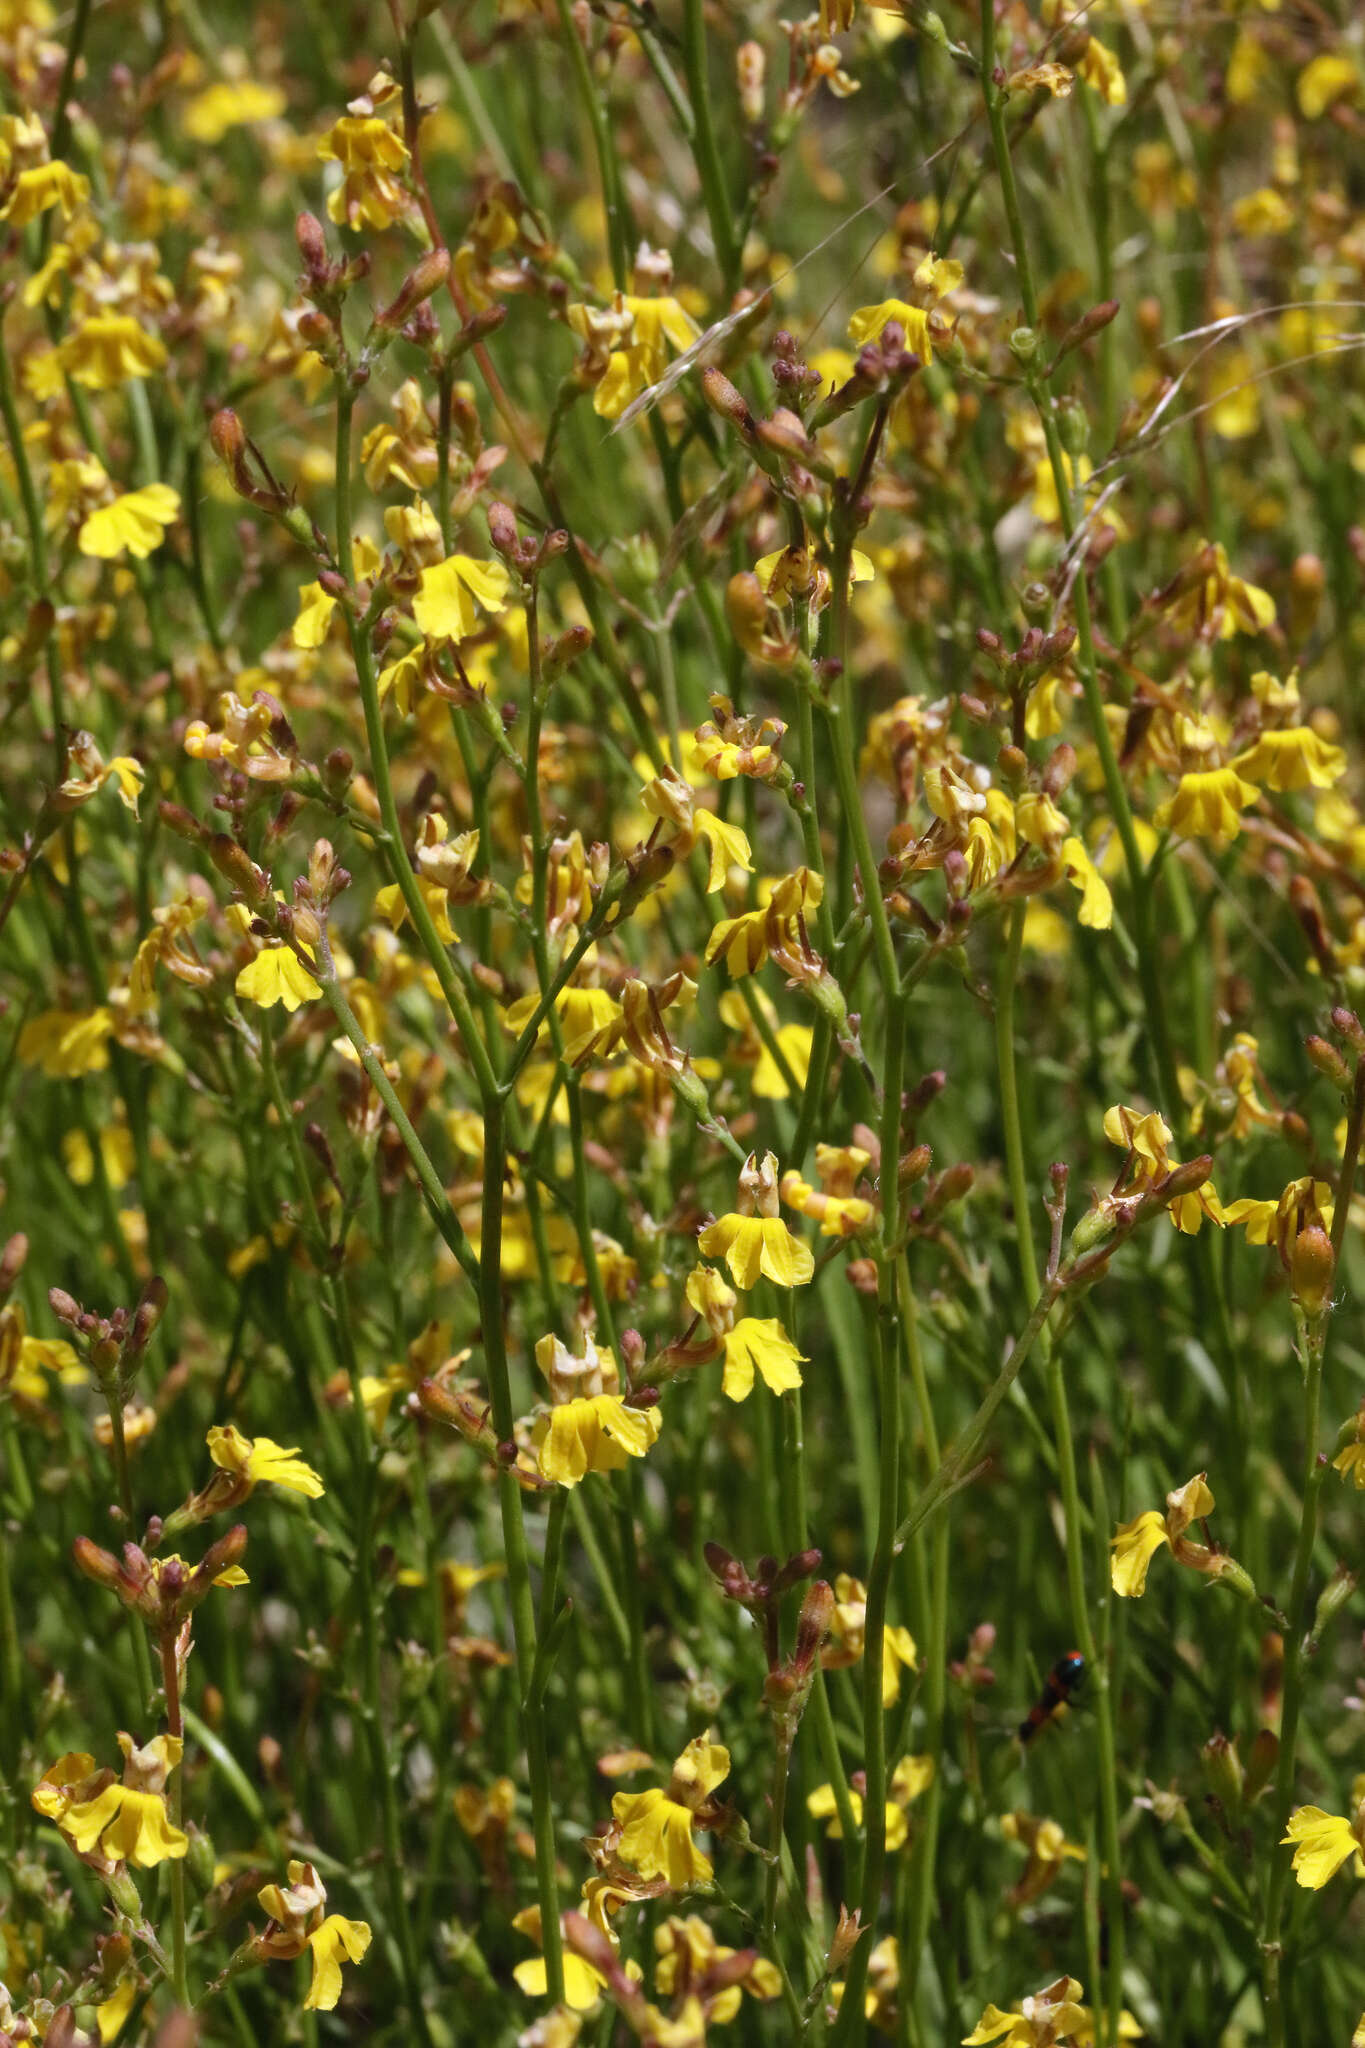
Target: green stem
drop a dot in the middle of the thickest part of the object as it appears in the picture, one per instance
(1017, 1171)
(394, 848)
(175, 1727)
(705, 149)
(520, 1596)
(1314, 1336)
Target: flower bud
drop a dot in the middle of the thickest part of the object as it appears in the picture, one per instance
(751, 66)
(1307, 582)
(1327, 1060)
(817, 1611)
(1073, 424)
(594, 1947)
(150, 1309)
(722, 397)
(1331, 1600)
(236, 864)
(1312, 1265)
(200, 1860)
(228, 437)
(1086, 328)
(1024, 344)
(312, 242)
(847, 1935)
(97, 1564)
(425, 277)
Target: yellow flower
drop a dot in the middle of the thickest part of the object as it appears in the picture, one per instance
(593, 1433)
(116, 1152)
(867, 323)
(45, 185)
(656, 1827)
(751, 1245)
(1097, 905)
(647, 326)
(1207, 805)
(109, 349)
(1134, 1546)
(128, 1822)
(939, 275)
(55, 1792)
(1051, 2015)
(260, 1461)
(230, 103)
(1136, 1543)
(1101, 69)
(1330, 77)
(444, 604)
(763, 1343)
(1264, 212)
(1351, 1463)
(336, 1937)
(1293, 759)
(583, 1985)
(727, 847)
(114, 2010)
(67, 1043)
(1322, 1843)
(315, 615)
(744, 943)
(276, 975)
(848, 1638)
(821, 1804)
(369, 153)
(135, 522)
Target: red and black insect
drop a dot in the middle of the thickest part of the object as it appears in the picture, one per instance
(1060, 1683)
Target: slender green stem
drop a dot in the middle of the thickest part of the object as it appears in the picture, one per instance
(609, 170)
(1313, 1336)
(394, 848)
(1017, 1171)
(175, 1727)
(1312, 1332)
(437, 1200)
(705, 148)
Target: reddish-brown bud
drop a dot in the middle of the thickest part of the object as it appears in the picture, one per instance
(1312, 1266)
(228, 437)
(312, 242)
(425, 277)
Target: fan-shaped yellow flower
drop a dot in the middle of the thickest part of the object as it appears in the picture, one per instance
(109, 349)
(41, 187)
(261, 1461)
(1296, 758)
(444, 604)
(751, 1245)
(316, 607)
(593, 1433)
(67, 1043)
(128, 1822)
(276, 975)
(656, 1826)
(230, 103)
(1322, 1843)
(337, 1937)
(759, 1341)
(867, 324)
(1134, 1546)
(370, 153)
(1207, 805)
(135, 523)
